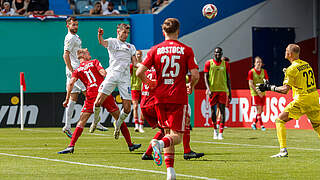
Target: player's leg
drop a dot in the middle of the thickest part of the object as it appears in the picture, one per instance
(148, 154)
(223, 119)
(282, 134)
(84, 116)
(255, 120)
(314, 117)
(126, 134)
(259, 117)
(69, 112)
(214, 121)
(188, 153)
(135, 105)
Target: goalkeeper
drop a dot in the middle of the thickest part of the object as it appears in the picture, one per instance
(300, 78)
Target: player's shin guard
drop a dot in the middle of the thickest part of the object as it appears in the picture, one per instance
(159, 135)
(169, 159)
(186, 141)
(126, 134)
(69, 113)
(76, 134)
(316, 127)
(281, 133)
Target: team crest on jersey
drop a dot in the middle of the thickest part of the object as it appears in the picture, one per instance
(128, 45)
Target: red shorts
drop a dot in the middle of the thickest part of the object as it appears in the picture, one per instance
(150, 115)
(172, 116)
(218, 97)
(109, 103)
(136, 95)
(258, 101)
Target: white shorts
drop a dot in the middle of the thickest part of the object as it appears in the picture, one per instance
(117, 79)
(78, 86)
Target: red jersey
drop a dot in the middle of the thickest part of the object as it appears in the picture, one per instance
(147, 95)
(250, 74)
(88, 73)
(172, 60)
(207, 65)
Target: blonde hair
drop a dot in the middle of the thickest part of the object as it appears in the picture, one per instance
(294, 48)
(123, 26)
(171, 25)
(80, 53)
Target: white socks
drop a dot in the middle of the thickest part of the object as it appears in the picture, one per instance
(171, 174)
(97, 115)
(69, 113)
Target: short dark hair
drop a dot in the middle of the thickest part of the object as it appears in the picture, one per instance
(71, 18)
(171, 25)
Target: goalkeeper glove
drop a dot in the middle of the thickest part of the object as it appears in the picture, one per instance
(266, 86)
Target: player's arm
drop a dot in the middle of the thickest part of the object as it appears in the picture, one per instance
(103, 72)
(69, 89)
(141, 74)
(229, 86)
(266, 86)
(67, 61)
(103, 42)
(194, 80)
(206, 81)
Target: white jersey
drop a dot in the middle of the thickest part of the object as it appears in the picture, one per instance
(120, 54)
(72, 43)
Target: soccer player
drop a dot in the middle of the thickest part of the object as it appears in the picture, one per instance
(72, 43)
(257, 75)
(121, 54)
(172, 60)
(136, 95)
(147, 108)
(91, 73)
(300, 78)
(217, 80)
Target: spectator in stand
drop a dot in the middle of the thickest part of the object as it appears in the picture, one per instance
(110, 10)
(104, 4)
(20, 6)
(39, 7)
(157, 4)
(97, 9)
(7, 10)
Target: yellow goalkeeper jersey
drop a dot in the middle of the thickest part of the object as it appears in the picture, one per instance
(300, 77)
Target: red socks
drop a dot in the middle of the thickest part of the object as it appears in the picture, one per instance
(221, 128)
(159, 135)
(76, 134)
(259, 119)
(126, 134)
(169, 159)
(168, 141)
(136, 121)
(186, 141)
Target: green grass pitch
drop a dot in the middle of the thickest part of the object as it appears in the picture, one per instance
(243, 154)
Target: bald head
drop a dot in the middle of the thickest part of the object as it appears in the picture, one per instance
(292, 52)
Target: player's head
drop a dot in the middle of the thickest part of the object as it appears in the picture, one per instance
(258, 62)
(72, 24)
(171, 27)
(83, 55)
(292, 52)
(218, 53)
(123, 31)
(139, 55)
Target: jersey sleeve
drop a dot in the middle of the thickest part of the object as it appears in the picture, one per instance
(133, 50)
(148, 61)
(68, 43)
(192, 62)
(98, 65)
(207, 66)
(266, 75)
(227, 67)
(290, 77)
(250, 75)
(111, 43)
(131, 68)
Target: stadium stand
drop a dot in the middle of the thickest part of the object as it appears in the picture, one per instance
(60, 7)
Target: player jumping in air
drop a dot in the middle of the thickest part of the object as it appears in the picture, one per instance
(300, 78)
(91, 73)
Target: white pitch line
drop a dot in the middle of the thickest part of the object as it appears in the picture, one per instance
(253, 145)
(104, 166)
